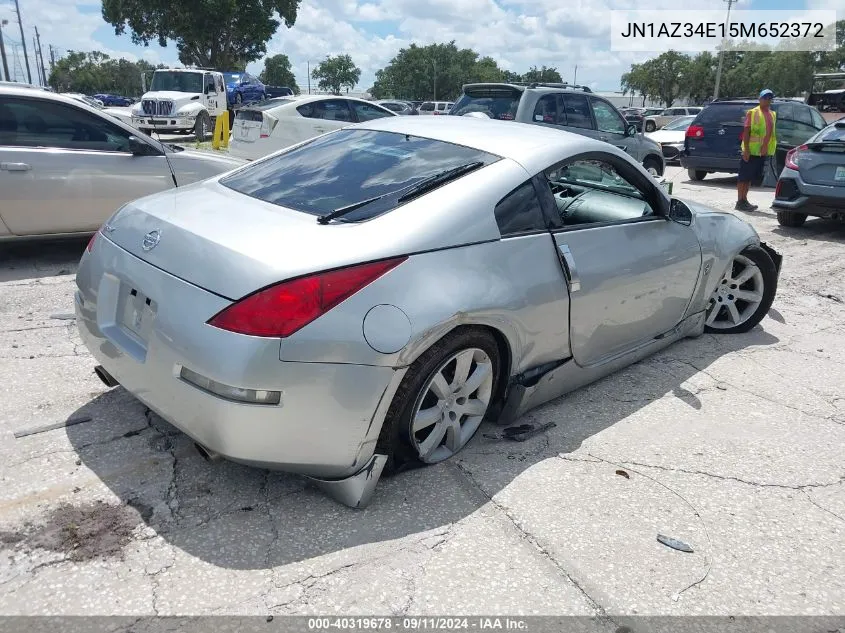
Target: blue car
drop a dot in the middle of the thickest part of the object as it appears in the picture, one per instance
(114, 100)
(241, 87)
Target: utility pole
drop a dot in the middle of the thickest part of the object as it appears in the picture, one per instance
(23, 43)
(3, 52)
(575, 81)
(309, 77)
(434, 63)
(35, 54)
(41, 56)
(721, 53)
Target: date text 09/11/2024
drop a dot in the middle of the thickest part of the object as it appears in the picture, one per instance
(422, 623)
(784, 30)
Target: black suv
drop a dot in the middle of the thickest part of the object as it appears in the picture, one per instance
(563, 106)
(713, 139)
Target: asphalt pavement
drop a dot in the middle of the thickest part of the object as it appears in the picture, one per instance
(731, 444)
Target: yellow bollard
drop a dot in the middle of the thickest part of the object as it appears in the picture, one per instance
(221, 131)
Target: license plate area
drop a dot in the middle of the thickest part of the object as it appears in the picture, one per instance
(839, 174)
(135, 314)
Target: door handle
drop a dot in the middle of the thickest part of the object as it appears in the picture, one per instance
(571, 269)
(15, 166)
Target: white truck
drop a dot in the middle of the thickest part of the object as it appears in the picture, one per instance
(185, 100)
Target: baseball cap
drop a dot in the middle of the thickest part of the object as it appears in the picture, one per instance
(766, 93)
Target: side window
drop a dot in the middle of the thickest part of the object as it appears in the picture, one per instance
(818, 119)
(577, 111)
(607, 119)
(592, 191)
(330, 110)
(43, 123)
(520, 211)
(547, 111)
(428, 106)
(802, 115)
(367, 112)
(209, 83)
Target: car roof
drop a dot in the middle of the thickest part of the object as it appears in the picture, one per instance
(535, 147)
(536, 87)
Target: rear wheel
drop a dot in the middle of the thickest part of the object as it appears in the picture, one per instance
(442, 400)
(790, 218)
(744, 294)
(696, 174)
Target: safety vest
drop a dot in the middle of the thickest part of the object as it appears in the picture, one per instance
(758, 133)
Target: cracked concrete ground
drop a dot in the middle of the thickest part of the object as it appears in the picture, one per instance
(732, 444)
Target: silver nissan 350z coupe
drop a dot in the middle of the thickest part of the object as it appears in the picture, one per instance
(364, 300)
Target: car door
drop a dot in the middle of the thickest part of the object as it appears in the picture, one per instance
(611, 127)
(630, 271)
(577, 114)
(64, 169)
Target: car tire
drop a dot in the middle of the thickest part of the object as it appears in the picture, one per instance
(239, 99)
(653, 165)
(696, 174)
(202, 127)
(763, 282)
(406, 446)
(650, 126)
(791, 218)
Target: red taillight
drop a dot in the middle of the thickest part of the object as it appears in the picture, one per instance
(695, 131)
(778, 188)
(281, 310)
(792, 154)
(93, 239)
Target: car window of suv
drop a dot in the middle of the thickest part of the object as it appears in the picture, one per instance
(428, 106)
(547, 111)
(367, 112)
(607, 119)
(592, 191)
(520, 211)
(44, 123)
(818, 119)
(577, 110)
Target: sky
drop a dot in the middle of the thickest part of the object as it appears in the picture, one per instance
(516, 33)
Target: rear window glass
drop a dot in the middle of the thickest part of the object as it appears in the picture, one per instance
(347, 167)
(833, 134)
(732, 113)
(497, 104)
(271, 103)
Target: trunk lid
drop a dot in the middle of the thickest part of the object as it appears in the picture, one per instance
(823, 163)
(231, 244)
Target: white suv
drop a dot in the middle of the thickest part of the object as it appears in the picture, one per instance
(436, 107)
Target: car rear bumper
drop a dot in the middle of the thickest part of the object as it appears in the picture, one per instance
(710, 163)
(329, 415)
(793, 194)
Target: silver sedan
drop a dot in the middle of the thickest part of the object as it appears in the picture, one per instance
(368, 298)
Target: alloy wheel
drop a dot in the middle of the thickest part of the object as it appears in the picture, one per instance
(451, 405)
(737, 296)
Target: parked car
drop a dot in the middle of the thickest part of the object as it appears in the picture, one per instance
(635, 116)
(656, 121)
(241, 87)
(364, 300)
(813, 180)
(573, 109)
(671, 138)
(435, 107)
(267, 127)
(712, 143)
(277, 91)
(114, 100)
(403, 108)
(119, 113)
(66, 166)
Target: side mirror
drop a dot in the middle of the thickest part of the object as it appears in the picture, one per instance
(631, 130)
(679, 212)
(139, 148)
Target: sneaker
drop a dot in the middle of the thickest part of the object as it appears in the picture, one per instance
(744, 205)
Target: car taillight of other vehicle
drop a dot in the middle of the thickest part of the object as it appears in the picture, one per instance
(793, 156)
(695, 131)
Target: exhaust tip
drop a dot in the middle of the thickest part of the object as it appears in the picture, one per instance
(207, 454)
(108, 380)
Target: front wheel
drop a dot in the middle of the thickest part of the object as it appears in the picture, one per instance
(202, 127)
(696, 174)
(442, 400)
(653, 166)
(744, 294)
(791, 219)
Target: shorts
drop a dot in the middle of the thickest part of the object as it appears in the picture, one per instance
(752, 171)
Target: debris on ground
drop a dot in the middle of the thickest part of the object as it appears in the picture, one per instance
(622, 473)
(674, 543)
(521, 432)
(63, 316)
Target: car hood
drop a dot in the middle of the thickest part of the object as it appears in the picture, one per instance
(667, 136)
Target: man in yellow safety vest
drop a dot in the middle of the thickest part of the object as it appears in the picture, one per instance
(759, 141)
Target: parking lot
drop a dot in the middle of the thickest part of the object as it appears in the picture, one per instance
(731, 444)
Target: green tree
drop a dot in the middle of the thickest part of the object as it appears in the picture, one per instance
(221, 34)
(277, 72)
(701, 77)
(334, 73)
(542, 75)
(94, 72)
